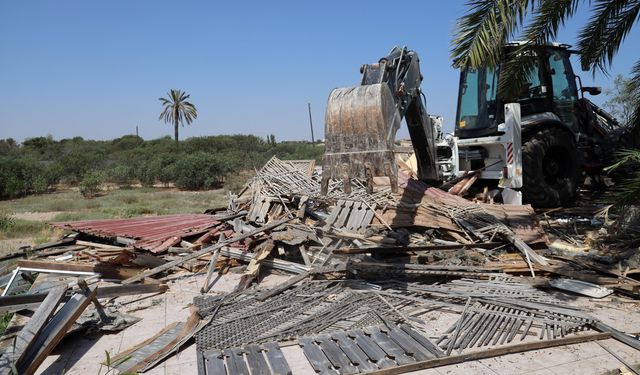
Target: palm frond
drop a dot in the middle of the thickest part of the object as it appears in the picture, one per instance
(517, 67)
(601, 38)
(481, 33)
(631, 137)
(177, 110)
(626, 192)
(625, 158)
(548, 16)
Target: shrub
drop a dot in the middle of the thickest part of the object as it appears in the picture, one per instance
(17, 177)
(200, 170)
(121, 175)
(6, 221)
(90, 184)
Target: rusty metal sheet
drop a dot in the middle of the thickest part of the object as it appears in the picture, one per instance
(155, 234)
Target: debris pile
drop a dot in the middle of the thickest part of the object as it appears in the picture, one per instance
(371, 273)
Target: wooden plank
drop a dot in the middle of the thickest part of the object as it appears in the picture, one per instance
(46, 245)
(373, 351)
(333, 215)
(283, 286)
(316, 357)
(257, 364)
(336, 356)
(26, 301)
(422, 340)
(58, 250)
(277, 362)
(158, 347)
(344, 214)
(126, 290)
(355, 218)
(393, 350)
(511, 349)
(34, 326)
(206, 250)
(410, 345)
(235, 362)
(618, 335)
(54, 331)
(214, 362)
(15, 303)
(392, 249)
(353, 351)
(106, 270)
(99, 245)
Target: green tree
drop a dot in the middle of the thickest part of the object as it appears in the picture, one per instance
(177, 110)
(489, 24)
(621, 99)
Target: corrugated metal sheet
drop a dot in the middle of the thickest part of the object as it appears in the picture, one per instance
(153, 233)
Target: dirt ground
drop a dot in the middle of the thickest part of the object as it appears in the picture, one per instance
(84, 354)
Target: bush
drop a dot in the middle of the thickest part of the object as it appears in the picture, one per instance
(18, 177)
(200, 170)
(90, 184)
(201, 162)
(121, 175)
(6, 221)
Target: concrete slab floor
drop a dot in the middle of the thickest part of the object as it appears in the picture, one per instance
(82, 354)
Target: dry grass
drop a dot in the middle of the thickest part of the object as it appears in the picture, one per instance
(31, 214)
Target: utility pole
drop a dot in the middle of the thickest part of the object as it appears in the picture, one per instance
(136, 130)
(313, 141)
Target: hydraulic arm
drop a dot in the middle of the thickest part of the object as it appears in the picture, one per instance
(361, 123)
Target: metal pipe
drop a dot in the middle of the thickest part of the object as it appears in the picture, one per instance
(13, 277)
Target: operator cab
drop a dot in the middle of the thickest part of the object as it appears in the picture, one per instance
(550, 87)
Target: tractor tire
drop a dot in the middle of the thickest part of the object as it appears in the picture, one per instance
(552, 168)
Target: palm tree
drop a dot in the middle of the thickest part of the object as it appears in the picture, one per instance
(177, 110)
(481, 34)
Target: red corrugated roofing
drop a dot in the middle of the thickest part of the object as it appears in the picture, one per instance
(153, 233)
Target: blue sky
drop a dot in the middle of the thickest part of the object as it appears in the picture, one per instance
(96, 69)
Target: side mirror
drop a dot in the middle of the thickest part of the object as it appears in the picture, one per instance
(592, 90)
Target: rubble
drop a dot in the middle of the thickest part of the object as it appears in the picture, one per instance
(368, 271)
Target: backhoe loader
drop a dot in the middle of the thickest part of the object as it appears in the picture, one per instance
(538, 142)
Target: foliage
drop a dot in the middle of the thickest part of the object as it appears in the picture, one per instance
(6, 220)
(21, 176)
(5, 319)
(626, 192)
(177, 110)
(90, 184)
(488, 24)
(620, 102)
(200, 170)
(43, 163)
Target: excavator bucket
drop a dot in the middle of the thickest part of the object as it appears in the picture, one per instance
(360, 128)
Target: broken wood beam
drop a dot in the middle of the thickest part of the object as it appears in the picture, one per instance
(99, 245)
(511, 349)
(34, 326)
(283, 286)
(25, 251)
(105, 270)
(618, 335)
(390, 249)
(20, 302)
(54, 331)
(127, 290)
(206, 250)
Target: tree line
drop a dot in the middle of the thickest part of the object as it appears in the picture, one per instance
(39, 164)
